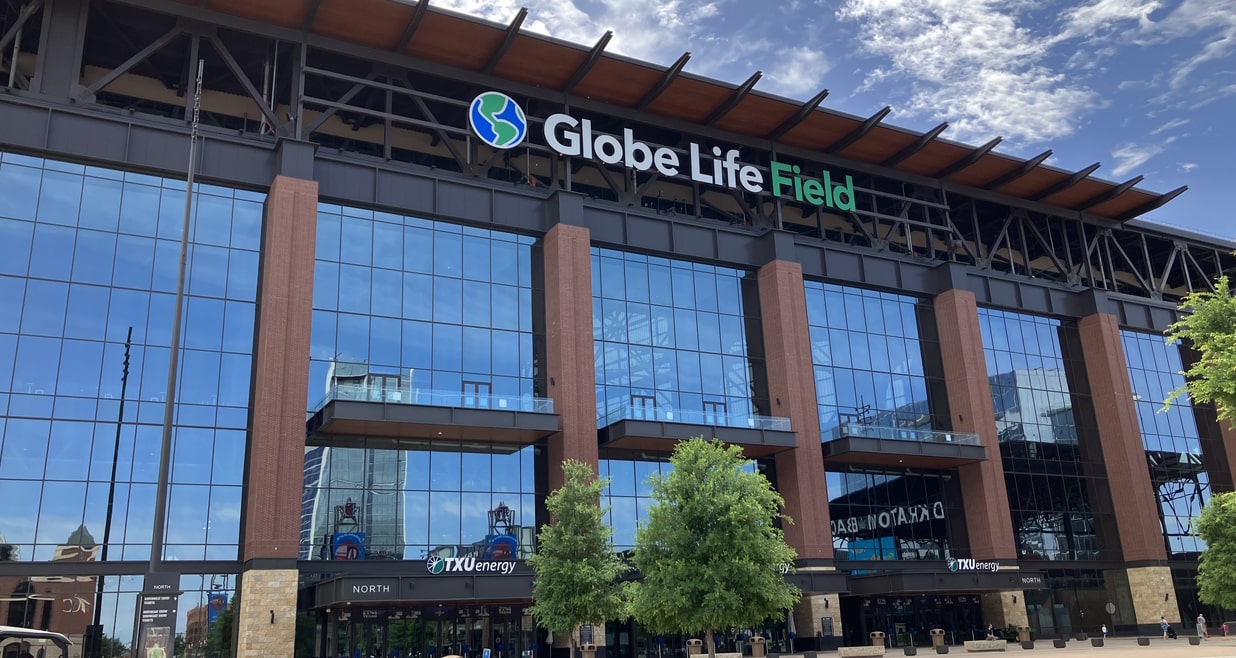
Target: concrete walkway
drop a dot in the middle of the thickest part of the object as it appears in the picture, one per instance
(1114, 647)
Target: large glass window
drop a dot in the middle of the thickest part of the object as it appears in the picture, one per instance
(417, 311)
(1050, 482)
(867, 352)
(1173, 447)
(380, 504)
(675, 341)
(87, 253)
(880, 515)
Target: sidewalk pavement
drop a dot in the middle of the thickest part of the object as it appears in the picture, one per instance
(1113, 647)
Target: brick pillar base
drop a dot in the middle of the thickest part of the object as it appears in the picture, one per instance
(258, 633)
(810, 612)
(1142, 595)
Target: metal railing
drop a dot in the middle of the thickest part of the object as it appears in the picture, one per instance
(865, 431)
(434, 398)
(688, 416)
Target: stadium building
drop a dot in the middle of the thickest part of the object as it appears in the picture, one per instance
(432, 257)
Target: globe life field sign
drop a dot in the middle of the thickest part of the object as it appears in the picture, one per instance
(499, 121)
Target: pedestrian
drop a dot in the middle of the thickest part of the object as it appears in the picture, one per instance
(1201, 626)
(991, 631)
(1163, 626)
(1104, 631)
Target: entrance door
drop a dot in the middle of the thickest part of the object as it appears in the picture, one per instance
(436, 633)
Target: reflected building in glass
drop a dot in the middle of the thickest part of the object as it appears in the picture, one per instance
(407, 305)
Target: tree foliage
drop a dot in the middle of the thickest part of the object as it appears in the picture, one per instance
(1209, 327)
(1216, 570)
(576, 567)
(711, 552)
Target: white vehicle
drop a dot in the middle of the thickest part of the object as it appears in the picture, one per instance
(31, 643)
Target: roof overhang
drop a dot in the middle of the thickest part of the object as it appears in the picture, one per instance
(943, 581)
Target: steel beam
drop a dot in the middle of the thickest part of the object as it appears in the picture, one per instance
(512, 31)
(973, 157)
(922, 142)
(739, 94)
(1025, 168)
(24, 15)
(593, 56)
(1104, 197)
(413, 24)
(666, 80)
(254, 95)
(311, 15)
(1066, 183)
(1154, 204)
(126, 66)
(857, 134)
(801, 115)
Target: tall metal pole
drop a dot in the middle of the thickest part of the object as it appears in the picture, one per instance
(169, 406)
(94, 648)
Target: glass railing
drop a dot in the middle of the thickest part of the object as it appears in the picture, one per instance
(629, 412)
(374, 393)
(865, 431)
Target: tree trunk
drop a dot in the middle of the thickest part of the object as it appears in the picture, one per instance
(712, 646)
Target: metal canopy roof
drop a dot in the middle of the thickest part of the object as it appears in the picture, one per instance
(426, 32)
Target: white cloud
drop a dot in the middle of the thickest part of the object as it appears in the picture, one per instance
(798, 72)
(1188, 167)
(976, 64)
(1211, 23)
(1170, 125)
(1130, 156)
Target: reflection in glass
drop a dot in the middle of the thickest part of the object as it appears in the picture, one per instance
(879, 515)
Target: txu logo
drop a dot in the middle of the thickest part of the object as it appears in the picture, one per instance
(952, 565)
(498, 120)
(435, 564)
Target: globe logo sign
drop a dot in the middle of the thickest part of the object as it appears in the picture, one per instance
(435, 564)
(952, 565)
(498, 120)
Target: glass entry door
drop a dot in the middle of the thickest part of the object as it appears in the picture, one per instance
(436, 632)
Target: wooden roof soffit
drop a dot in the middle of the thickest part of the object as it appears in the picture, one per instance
(1025, 168)
(422, 8)
(922, 142)
(801, 115)
(666, 80)
(512, 31)
(857, 133)
(971, 158)
(1066, 183)
(1153, 204)
(739, 94)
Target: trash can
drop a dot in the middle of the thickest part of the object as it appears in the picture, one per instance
(1023, 633)
(758, 649)
(877, 638)
(937, 637)
(588, 650)
(695, 647)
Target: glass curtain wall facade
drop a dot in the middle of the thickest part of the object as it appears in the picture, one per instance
(413, 311)
(85, 254)
(1049, 481)
(1173, 447)
(871, 379)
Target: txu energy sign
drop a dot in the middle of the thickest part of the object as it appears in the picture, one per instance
(501, 123)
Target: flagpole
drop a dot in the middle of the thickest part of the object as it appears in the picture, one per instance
(169, 405)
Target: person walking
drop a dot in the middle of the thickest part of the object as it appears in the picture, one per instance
(1201, 626)
(1104, 631)
(1163, 626)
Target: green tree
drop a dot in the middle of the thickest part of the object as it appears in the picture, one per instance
(113, 648)
(711, 552)
(1216, 569)
(1209, 327)
(576, 567)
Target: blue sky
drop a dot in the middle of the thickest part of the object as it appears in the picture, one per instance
(1144, 86)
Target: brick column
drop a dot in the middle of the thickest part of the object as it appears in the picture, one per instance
(791, 389)
(988, 521)
(275, 470)
(1124, 455)
(569, 359)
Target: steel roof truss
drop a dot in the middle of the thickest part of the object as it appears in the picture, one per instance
(1048, 248)
(1133, 268)
(1025, 168)
(971, 158)
(138, 57)
(1065, 184)
(413, 23)
(343, 100)
(512, 31)
(801, 115)
(736, 98)
(593, 56)
(24, 15)
(666, 80)
(857, 133)
(244, 81)
(922, 142)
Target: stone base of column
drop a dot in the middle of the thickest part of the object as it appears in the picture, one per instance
(812, 610)
(266, 620)
(1143, 595)
(1006, 608)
